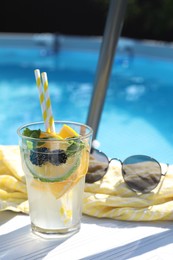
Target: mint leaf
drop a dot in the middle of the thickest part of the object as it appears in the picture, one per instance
(35, 133)
(32, 133)
(74, 147)
(30, 145)
(27, 132)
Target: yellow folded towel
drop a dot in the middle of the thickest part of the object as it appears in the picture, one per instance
(13, 194)
(107, 198)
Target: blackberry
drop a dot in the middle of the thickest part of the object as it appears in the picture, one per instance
(39, 156)
(57, 157)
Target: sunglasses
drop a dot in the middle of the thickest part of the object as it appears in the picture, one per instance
(141, 173)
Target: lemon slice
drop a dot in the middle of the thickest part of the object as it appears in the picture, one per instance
(67, 132)
(50, 135)
(52, 173)
(58, 189)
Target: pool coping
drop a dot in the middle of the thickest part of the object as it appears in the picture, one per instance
(152, 48)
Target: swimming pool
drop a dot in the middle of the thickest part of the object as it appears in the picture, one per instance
(137, 115)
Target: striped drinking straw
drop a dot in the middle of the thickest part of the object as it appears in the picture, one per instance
(45, 106)
(50, 118)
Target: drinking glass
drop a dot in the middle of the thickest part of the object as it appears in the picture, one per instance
(55, 170)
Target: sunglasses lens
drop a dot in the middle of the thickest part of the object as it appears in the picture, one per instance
(141, 173)
(98, 166)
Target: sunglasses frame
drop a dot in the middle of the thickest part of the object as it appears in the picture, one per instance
(89, 180)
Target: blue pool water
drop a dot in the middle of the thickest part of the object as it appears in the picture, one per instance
(138, 110)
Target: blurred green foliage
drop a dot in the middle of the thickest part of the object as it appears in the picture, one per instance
(144, 19)
(149, 19)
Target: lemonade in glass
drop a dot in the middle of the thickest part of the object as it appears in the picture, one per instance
(55, 165)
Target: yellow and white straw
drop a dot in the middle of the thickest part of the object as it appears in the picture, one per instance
(45, 100)
(50, 118)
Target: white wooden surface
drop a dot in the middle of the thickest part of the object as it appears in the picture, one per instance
(97, 239)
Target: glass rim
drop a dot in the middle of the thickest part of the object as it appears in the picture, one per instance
(55, 139)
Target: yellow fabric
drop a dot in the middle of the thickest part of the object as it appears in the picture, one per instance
(13, 195)
(107, 198)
